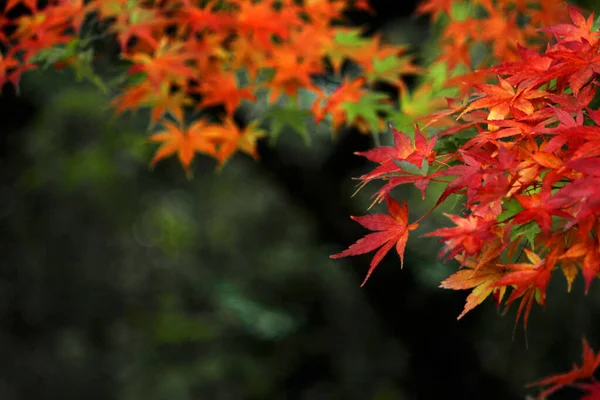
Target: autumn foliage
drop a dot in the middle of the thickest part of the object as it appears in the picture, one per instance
(186, 55)
(512, 128)
(527, 167)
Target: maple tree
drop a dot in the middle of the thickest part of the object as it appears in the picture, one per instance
(513, 127)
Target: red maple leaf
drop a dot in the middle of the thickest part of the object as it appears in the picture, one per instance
(581, 29)
(591, 361)
(469, 236)
(592, 389)
(390, 230)
(530, 281)
(536, 207)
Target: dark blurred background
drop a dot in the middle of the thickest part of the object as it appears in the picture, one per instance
(117, 282)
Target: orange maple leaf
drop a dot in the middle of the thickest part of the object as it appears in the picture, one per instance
(291, 73)
(504, 98)
(262, 22)
(133, 97)
(230, 138)
(184, 142)
(170, 62)
(223, 89)
(588, 254)
(481, 278)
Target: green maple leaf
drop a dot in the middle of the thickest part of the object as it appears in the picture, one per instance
(529, 230)
(351, 37)
(388, 69)
(54, 54)
(290, 116)
(511, 208)
(368, 108)
(411, 168)
(84, 70)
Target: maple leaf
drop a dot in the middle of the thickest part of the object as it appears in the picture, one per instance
(530, 281)
(435, 8)
(536, 207)
(132, 20)
(291, 73)
(591, 361)
(504, 31)
(481, 278)
(290, 116)
(403, 150)
(592, 390)
(390, 69)
(391, 230)
(549, 13)
(351, 44)
(531, 64)
(469, 236)
(581, 194)
(504, 99)
(199, 19)
(230, 138)
(580, 30)
(183, 142)
(223, 89)
(318, 10)
(402, 163)
(169, 102)
(11, 70)
(575, 61)
(350, 91)
(134, 97)
(262, 22)
(588, 252)
(469, 175)
(169, 62)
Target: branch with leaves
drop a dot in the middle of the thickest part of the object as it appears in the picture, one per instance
(528, 168)
(185, 56)
(513, 122)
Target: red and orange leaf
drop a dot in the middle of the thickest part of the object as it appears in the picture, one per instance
(170, 62)
(468, 237)
(391, 230)
(530, 281)
(481, 278)
(223, 89)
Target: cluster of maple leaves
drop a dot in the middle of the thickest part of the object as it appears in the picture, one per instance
(190, 53)
(528, 167)
(527, 164)
(186, 53)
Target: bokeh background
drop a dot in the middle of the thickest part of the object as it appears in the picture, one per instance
(117, 282)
